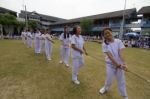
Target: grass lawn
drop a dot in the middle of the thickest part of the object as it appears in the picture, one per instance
(24, 75)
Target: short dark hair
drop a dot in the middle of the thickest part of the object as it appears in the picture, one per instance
(107, 28)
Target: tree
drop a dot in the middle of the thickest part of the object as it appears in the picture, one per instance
(32, 24)
(8, 22)
(86, 25)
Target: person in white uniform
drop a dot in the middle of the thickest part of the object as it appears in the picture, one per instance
(65, 39)
(23, 36)
(48, 44)
(115, 63)
(77, 43)
(29, 38)
(37, 42)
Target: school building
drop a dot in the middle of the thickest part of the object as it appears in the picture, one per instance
(111, 19)
(145, 22)
(43, 21)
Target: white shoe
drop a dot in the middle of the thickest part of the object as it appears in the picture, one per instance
(125, 98)
(60, 62)
(67, 65)
(77, 82)
(49, 59)
(102, 90)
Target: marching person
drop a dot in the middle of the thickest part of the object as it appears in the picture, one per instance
(115, 64)
(37, 42)
(23, 36)
(77, 43)
(48, 44)
(65, 39)
(29, 38)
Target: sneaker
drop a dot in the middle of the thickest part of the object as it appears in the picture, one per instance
(49, 59)
(60, 62)
(102, 90)
(77, 82)
(67, 65)
(125, 98)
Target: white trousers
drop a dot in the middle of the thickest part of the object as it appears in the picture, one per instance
(78, 62)
(38, 46)
(24, 40)
(65, 53)
(29, 42)
(48, 50)
(119, 74)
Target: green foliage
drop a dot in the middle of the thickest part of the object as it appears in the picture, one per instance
(86, 25)
(32, 24)
(7, 19)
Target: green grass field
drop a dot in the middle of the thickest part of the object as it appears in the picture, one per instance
(24, 75)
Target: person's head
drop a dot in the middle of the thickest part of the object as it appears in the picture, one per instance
(30, 30)
(66, 33)
(37, 30)
(42, 31)
(107, 34)
(65, 29)
(77, 30)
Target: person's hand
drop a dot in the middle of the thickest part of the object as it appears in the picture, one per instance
(86, 53)
(118, 66)
(81, 52)
(125, 67)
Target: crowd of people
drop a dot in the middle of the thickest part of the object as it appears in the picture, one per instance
(138, 43)
(115, 64)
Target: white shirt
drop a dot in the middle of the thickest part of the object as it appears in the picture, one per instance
(37, 36)
(113, 48)
(79, 43)
(47, 38)
(22, 34)
(65, 42)
(29, 35)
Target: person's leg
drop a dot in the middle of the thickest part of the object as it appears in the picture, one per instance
(47, 51)
(40, 46)
(110, 72)
(50, 50)
(121, 82)
(62, 54)
(75, 69)
(30, 43)
(36, 46)
(67, 54)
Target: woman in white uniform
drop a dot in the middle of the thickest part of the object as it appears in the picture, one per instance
(48, 45)
(77, 43)
(29, 38)
(23, 36)
(115, 64)
(65, 39)
(37, 42)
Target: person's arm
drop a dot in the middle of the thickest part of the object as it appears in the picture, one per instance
(85, 50)
(110, 56)
(77, 49)
(50, 39)
(124, 65)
